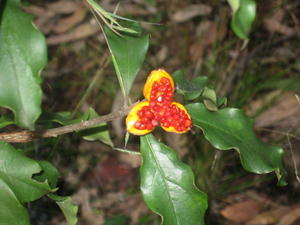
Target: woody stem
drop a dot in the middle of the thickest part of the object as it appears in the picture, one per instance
(28, 136)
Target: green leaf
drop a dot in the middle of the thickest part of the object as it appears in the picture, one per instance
(109, 18)
(128, 54)
(99, 132)
(23, 55)
(16, 170)
(117, 220)
(49, 173)
(63, 118)
(68, 208)
(244, 12)
(168, 185)
(11, 210)
(234, 4)
(288, 84)
(228, 129)
(210, 99)
(190, 89)
(6, 120)
(17, 184)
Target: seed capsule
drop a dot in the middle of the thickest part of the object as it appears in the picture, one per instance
(159, 109)
(136, 121)
(157, 81)
(179, 121)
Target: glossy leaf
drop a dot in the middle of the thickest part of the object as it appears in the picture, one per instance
(18, 185)
(244, 12)
(11, 210)
(168, 185)
(63, 118)
(68, 208)
(49, 173)
(228, 129)
(23, 55)
(128, 54)
(190, 89)
(99, 132)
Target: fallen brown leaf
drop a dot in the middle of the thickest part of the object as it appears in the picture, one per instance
(207, 31)
(281, 112)
(63, 7)
(241, 212)
(67, 23)
(80, 32)
(190, 12)
(274, 23)
(290, 217)
(269, 217)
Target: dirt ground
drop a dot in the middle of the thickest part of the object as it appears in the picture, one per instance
(262, 77)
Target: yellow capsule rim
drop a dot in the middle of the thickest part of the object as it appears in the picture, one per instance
(172, 129)
(155, 75)
(133, 117)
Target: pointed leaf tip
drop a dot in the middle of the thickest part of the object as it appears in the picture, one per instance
(168, 185)
(229, 128)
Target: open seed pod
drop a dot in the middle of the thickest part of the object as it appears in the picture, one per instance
(141, 120)
(159, 87)
(175, 119)
(159, 109)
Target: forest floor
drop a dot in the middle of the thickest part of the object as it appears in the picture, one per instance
(262, 77)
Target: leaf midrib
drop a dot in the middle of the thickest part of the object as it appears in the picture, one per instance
(165, 178)
(218, 128)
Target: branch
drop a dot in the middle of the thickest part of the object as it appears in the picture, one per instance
(28, 136)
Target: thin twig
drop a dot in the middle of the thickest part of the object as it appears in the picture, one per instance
(127, 151)
(28, 136)
(292, 151)
(293, 159)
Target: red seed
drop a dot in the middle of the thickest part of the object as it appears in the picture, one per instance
(169, 119)
(187, 123)
(149, 126)
(166, 124)
(161, 113)
(155, 85)
(149, 114)
(156, 108)
(144, 120)
(180, 129)
(163, 89)
(140, 113)
(137, 125)
(176, 124)
(170, 94)
(176, 117)
(152, 104)
(168, 113)
(154, 123)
